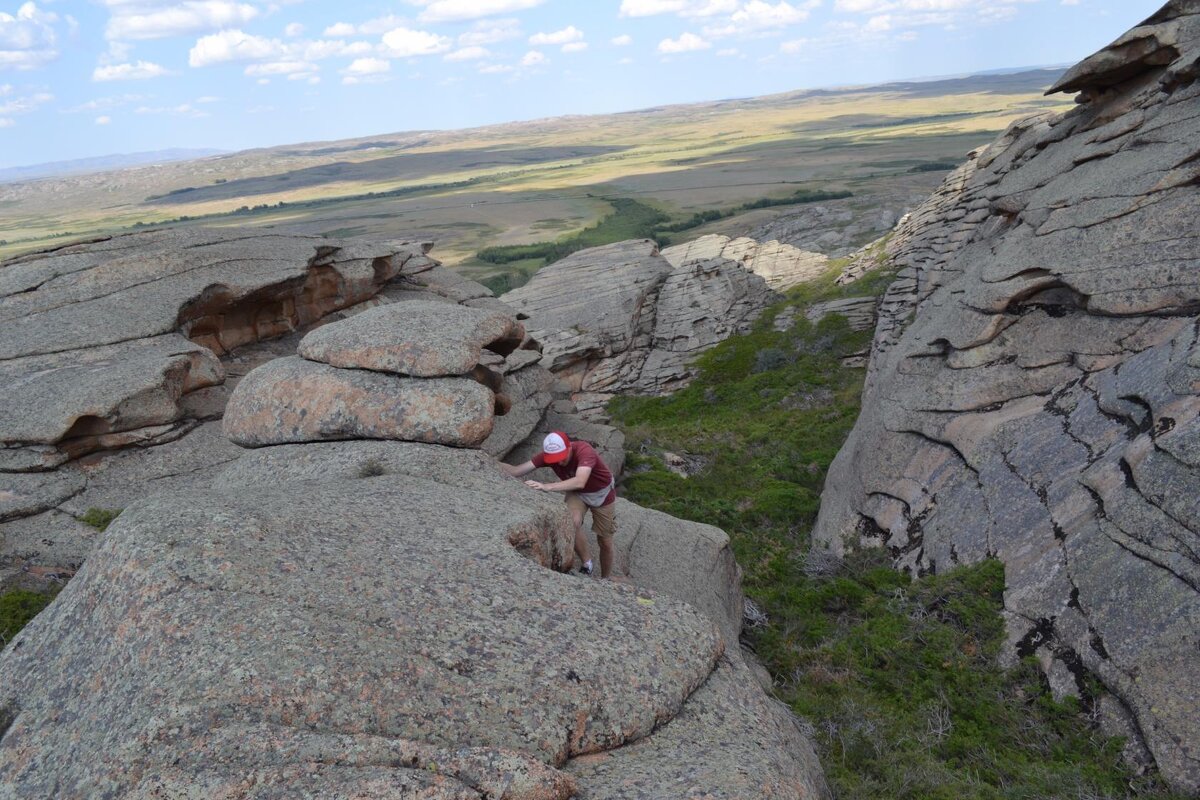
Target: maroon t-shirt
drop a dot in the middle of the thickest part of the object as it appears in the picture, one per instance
(582, 455)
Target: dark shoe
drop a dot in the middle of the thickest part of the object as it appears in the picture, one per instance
(584, 569)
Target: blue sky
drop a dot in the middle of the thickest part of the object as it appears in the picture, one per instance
(82, 78)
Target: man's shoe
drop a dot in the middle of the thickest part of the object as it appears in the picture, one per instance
(585, 569)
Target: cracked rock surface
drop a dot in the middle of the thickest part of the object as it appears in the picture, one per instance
(1034, 386)
(118, 357)
(363, 617)
(339, 620)
(627, 319)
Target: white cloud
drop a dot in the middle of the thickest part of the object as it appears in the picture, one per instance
(473, 53)
(687, 43)
(293, 30)
(290, 68)
(23, 105)
(728, 52)
(458, 10)
(495, 69)
(341, 29)
(103, 120)
(5, 89)
(565, 36)
(623, 40)
(404, 43)
(575, 47)
(368, 66)
(27, 40)
(684, 8)
(5, 122)
(533, 58)
(184, 110)
(233, 45)
(795, 46)
(139, 71)
(144, 19)
(490, 32)
(104, 103)
(758, 15)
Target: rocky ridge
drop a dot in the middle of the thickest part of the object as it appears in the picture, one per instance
(120, 356)
(629, 319)
(1034, 388)
(364, 604)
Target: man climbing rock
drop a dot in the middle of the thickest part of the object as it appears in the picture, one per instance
(587, 483)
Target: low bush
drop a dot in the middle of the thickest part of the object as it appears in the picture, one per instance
(17, 608)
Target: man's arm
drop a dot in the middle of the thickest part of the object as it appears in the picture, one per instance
(570, 485)
(518, 470)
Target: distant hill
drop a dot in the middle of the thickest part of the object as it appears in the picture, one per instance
(56, 169)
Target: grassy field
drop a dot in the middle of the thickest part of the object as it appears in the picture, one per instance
(897, 676)
(511, 184)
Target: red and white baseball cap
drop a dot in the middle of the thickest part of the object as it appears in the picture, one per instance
(556, 447)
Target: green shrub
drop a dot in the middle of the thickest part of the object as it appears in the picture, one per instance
(100, 518)
(17, 608)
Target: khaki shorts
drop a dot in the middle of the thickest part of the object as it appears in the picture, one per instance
(604, 519)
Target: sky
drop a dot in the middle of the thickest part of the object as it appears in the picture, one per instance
(83, 78)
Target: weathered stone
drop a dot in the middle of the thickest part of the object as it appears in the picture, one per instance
(23, 494)
(49, 400)
(384, 607)
(531, 391)
(219, 289)
(420, 338)
(117, 480)
(858, 311)
(780, 265)
(622, 320)
(40, 550)
(293, 400)
(730, 740)
(1034, 387)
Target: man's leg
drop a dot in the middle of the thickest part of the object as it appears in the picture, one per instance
(577, 508)
(604, 523)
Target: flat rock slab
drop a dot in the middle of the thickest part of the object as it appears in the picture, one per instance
(293, 400)
(101, 390)
(43, 550)
(419, 338)
(220, 288)
(23, 494)
(218, 631)
(782, 266)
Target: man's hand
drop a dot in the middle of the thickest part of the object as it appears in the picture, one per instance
(541, 487)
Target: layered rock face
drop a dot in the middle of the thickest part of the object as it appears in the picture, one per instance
(119, 356)
(627, 319)
(363, 605)
(1034, 386)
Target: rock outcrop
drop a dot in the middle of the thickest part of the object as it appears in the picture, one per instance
(365, 604)
(780, 265)
(119, 357)
(627, 319)
(1034, 386)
